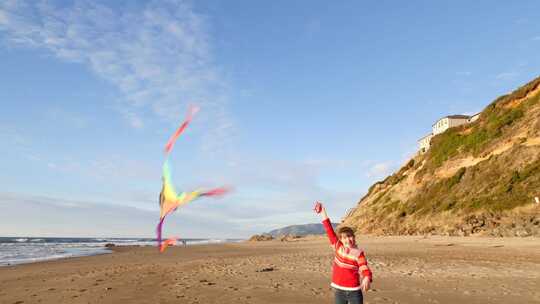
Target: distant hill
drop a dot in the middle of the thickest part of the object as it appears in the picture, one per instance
(476, 179)
(299, 230)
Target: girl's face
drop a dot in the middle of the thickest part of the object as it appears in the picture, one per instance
(348, 240)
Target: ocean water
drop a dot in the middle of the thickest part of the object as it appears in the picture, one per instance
(20, 250)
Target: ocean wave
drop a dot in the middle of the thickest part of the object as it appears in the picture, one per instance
(18, 250)
(24, 259)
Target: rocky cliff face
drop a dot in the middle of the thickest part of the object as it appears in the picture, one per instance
(479, 178)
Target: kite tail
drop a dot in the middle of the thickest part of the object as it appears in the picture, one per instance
(166, 243)
(158, 231)
(215, 192)
(192, 111)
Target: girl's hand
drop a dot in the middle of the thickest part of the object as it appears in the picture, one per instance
(319, 209)
(366, 284)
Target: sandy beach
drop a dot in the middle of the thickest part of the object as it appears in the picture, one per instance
(406, 270)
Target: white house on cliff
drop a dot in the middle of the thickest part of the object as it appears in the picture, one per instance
(442, 125)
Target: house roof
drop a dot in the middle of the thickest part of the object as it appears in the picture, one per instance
(457, 116)
(430, 134)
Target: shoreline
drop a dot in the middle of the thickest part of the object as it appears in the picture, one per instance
(412, 269)
(27, 250)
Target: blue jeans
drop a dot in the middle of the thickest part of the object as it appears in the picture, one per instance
(348, 297)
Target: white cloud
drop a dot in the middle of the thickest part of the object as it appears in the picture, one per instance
(521, 21)
(134, 120)
(12, 136)
(15, 140)
(49, 216)
(110, 168)
(507, 76)
(72, 119)
(159, 56)
(273, 192)
(380, 170)
(3, 18)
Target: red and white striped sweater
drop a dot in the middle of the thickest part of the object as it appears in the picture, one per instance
(350, 264)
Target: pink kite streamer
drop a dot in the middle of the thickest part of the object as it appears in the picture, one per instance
(191, 112)
(166, 243)
(217, 191)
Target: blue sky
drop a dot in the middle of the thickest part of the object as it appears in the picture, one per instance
(299, 102)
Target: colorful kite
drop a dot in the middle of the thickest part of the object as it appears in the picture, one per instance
(169, 200)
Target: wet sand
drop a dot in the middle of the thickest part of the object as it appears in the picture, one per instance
(406, 270)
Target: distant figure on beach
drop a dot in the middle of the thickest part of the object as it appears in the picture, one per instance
(350, 272)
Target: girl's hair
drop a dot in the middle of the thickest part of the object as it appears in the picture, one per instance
(346, 230)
